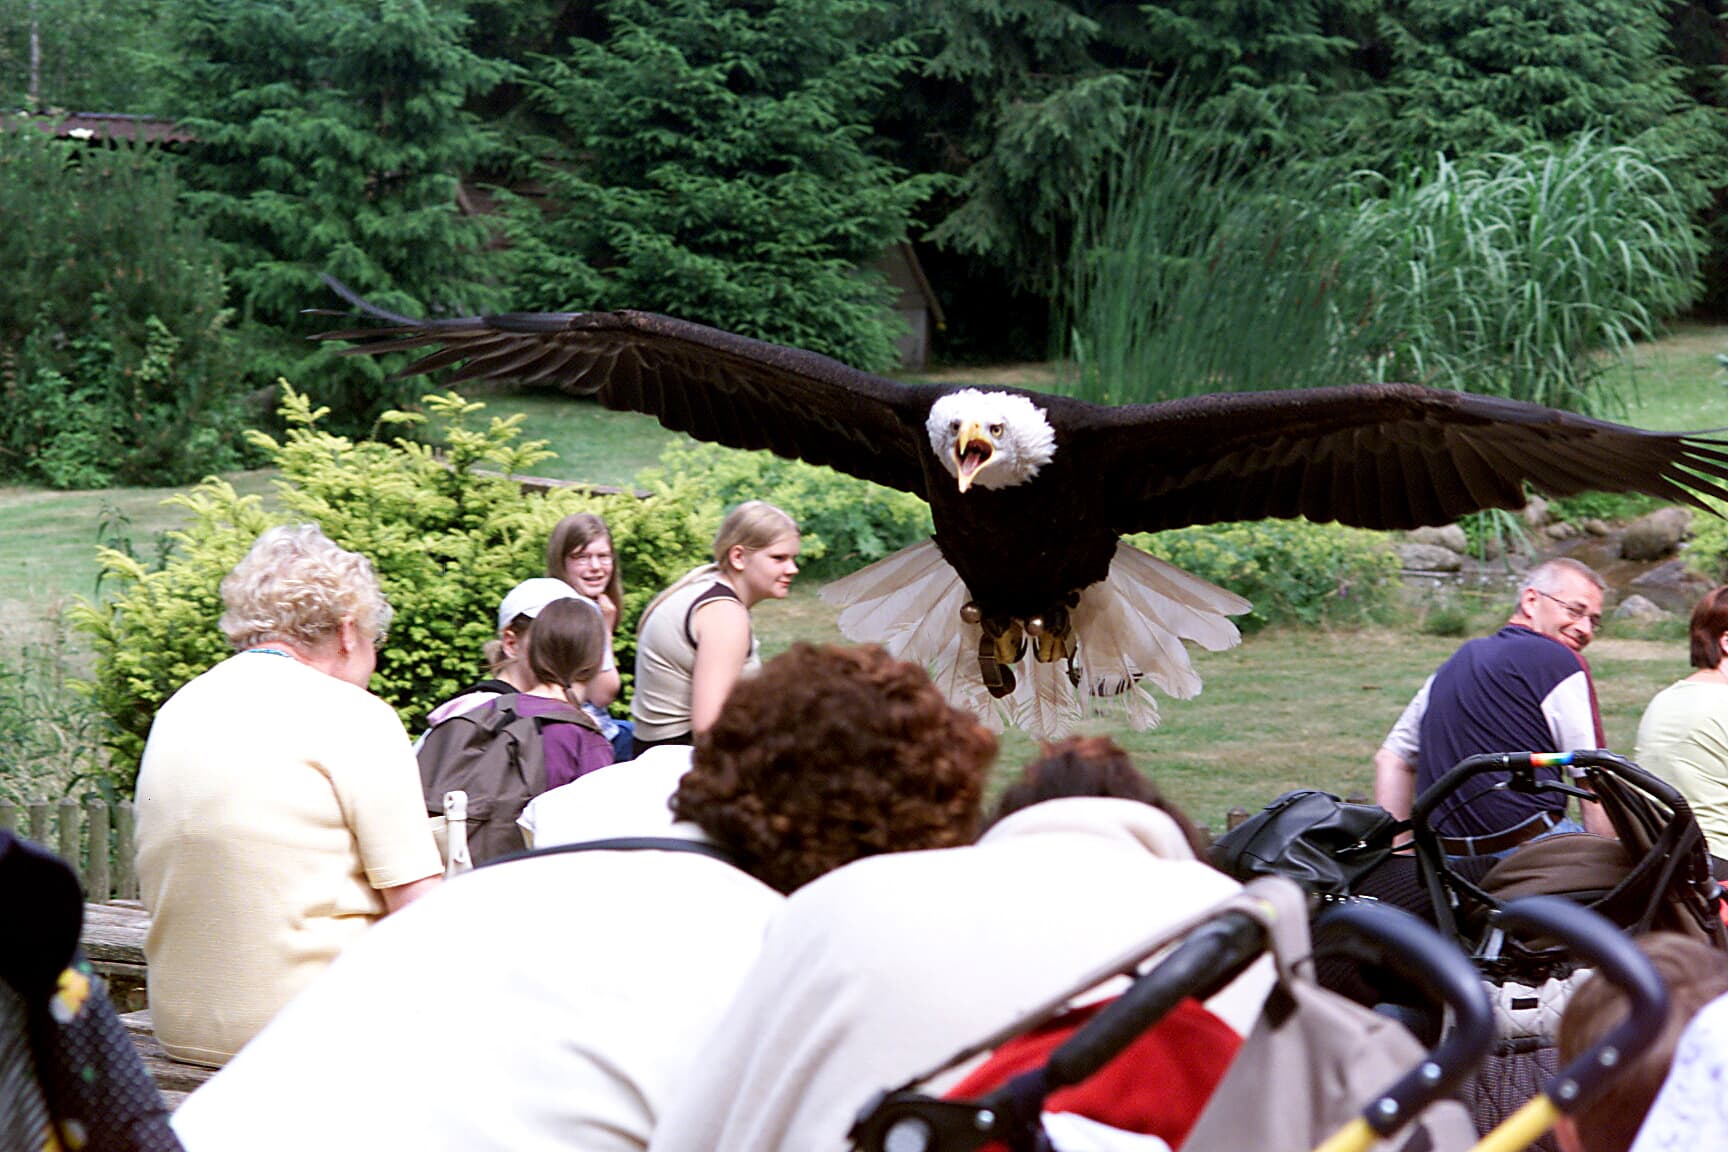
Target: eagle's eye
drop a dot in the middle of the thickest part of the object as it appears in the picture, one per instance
(954, 427)
(995, 429)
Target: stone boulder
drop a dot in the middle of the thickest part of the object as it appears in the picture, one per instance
(1428, 558)
(1536, 512)
(1673, 585)
(1639, 609)
(1446, 536)
(1656, 535)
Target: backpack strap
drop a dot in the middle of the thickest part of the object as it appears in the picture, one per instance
(626, 844)
(563, 714)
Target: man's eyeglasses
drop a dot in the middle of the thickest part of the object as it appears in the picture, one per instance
(1575, 611)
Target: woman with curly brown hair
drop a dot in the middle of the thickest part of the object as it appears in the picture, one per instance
(877, 971)
(832, 754)
(594, 974)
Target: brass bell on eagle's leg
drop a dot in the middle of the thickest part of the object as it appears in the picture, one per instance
(969, 613)
(1053, 634)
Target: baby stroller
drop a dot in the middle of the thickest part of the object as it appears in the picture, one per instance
(1313, 1065)
(1657, 876)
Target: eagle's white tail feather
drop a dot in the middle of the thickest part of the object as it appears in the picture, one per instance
(893, 593)
(1189, 606)
(1130, 625)
(1125, 640)
(1112, 630)
(1044, 703)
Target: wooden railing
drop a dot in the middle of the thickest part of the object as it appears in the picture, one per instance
(95, 837)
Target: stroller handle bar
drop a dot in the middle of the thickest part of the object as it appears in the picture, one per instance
(1441, 968)
(1210, 957)
(1598, 940)
(1213, 954)
(1522, 766)
(1421, 954)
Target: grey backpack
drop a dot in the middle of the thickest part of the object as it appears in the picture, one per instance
(496, 756)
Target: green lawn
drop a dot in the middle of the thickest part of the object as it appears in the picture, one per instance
(591, 443)
(1286, 709)
(51, 539)
(1676, 384)
(1290, 708)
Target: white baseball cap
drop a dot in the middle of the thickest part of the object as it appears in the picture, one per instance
(528, 597)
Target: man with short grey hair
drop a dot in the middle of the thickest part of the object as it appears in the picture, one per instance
(1524, 689)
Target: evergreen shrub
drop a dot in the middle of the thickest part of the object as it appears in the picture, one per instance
(446, 529)
(1293, 571)
(845, 523)
(115, 362)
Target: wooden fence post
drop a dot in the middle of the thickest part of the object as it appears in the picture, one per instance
(1235, 817)
(125, 851)
(97, 884)
(38, 810)
(8, 815)
(69, 837)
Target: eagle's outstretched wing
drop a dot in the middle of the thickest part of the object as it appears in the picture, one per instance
(1373, 456)
(711, 384)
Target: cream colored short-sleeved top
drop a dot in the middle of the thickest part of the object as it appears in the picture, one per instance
(273, 801)
(666, 664)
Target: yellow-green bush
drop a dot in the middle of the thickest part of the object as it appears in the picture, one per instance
(844, 522)
(446, 539)
(1294, 571)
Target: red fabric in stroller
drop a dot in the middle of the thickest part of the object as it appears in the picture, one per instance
(1157, 1086)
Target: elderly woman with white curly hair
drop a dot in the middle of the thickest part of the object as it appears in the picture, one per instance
(279, 805)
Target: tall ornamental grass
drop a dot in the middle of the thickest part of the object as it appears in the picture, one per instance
(1200, 267)
(1512, 275)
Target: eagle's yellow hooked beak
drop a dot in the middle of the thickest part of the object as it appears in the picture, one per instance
(973, 451)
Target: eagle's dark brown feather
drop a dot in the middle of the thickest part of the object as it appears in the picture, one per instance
(1377, 456)
(711, 384)
(1374, 456)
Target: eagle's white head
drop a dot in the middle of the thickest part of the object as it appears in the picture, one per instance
(991, 439)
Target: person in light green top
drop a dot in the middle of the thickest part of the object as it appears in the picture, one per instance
(1683, 737)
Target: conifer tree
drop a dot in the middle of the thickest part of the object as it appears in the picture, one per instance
(1036, 98)
(718, 165)
(331, 135)
(1469, 76)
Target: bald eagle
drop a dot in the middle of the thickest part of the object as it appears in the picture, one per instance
(1026, 605)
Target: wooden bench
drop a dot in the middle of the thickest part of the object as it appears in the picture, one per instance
(174, 1078)
(114, 944)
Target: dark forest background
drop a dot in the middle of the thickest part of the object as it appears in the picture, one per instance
(1171, 196)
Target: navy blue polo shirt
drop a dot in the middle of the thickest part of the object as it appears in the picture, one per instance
(1514, 691)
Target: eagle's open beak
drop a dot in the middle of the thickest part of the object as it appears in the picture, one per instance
(973, 451)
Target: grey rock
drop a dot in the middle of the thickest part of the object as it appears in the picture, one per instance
(1636, 607)
(1596, 526)
(1560, 530)
(1446, 536)
(1536, 512)
(1428, 558)
(1656, 535)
